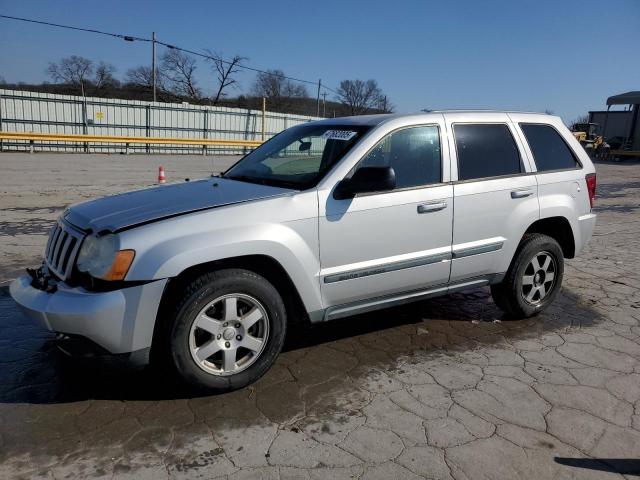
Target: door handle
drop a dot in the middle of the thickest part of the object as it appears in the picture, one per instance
(431, 207)
(521, 193)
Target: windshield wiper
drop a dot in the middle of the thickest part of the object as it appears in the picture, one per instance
(270, 182)
(286, 184)
(247, 178)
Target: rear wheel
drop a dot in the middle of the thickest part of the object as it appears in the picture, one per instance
(227, 331)
(533, 279)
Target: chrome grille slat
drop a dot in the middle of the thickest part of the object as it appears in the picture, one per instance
(48, 249)
(56, 248)
(62, 249)
(54, 240)
(69, 249)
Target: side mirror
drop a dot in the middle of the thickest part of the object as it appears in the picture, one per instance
(304, 146)
(366, 180)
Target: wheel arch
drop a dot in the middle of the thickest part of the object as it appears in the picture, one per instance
(264, 265)
(559, 228)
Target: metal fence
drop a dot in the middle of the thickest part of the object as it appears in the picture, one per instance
(64, 114)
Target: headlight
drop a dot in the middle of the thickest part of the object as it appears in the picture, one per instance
(100, 258)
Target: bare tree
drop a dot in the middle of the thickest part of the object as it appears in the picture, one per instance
(73, 70)
(141, 76)
(359, 96)
(224, 71)
(104, 76)
(179, 70)
(580, 120)
(277, 89)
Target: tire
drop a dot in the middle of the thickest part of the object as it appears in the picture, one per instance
(526, 290)
(215, 347)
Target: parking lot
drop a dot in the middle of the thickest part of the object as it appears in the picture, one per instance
(440, 389)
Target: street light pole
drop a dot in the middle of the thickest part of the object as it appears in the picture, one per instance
(153, 63)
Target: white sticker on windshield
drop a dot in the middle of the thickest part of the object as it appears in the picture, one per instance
(338, 135)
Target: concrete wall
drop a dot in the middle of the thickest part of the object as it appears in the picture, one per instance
(49, 113)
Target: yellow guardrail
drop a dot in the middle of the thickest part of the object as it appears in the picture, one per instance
(62, 137)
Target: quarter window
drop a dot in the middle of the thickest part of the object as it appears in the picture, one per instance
(550, 151)
(413, 153)
(486, 150)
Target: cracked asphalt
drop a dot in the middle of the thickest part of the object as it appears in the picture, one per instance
(442, 389)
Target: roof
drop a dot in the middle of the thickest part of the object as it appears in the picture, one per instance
(368, 120)
(373, 120)
(629, 98)
(484, 110)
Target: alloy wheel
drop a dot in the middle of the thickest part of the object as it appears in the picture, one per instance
(539, 278)
(229, 334)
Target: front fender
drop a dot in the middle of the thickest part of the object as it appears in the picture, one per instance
(178, 246)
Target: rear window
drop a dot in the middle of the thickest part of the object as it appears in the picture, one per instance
(550, 151)
(486, 150)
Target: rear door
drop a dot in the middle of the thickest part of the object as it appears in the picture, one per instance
(495, 194)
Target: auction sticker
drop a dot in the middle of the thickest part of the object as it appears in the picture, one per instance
(338, 135)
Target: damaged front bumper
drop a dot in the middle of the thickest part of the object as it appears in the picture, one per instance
(120, 321)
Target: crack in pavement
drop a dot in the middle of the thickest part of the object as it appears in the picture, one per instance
(446, 388)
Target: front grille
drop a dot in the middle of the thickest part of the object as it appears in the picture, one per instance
(62, 249)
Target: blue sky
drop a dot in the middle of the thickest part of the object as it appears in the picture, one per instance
(566, 56)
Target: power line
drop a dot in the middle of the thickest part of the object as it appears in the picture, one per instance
(131, 38)
(128, 38)
(253, 69)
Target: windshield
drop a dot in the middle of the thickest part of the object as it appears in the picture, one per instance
(298, 157)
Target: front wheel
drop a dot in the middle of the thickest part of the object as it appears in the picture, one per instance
(227, 331)
(533, 279)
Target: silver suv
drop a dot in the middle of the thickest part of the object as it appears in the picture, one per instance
(325, 220)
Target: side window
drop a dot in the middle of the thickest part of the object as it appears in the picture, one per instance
(413, 153)
(550, 151)
(486, 150)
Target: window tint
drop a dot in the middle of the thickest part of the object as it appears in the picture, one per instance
(486, 150)
(413, 153)
(549, 149)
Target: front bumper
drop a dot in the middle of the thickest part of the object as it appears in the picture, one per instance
(120, 321)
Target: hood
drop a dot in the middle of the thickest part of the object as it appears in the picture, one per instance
(125, 210)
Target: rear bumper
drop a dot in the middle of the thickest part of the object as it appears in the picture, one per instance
(586, 225)
(120, 321)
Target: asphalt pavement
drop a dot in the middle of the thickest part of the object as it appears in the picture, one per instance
(445, 388)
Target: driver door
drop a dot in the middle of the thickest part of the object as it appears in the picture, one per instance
(380, 244)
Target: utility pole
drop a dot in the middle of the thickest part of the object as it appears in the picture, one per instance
(324, 104)
(85, 119)
(264, 117)
(153, 63)
(318, 98)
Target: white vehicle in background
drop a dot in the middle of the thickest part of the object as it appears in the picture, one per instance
(325, 220)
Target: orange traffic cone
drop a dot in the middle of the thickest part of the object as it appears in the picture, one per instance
(161, 177)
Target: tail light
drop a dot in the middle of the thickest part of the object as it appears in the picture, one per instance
(591, 187)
